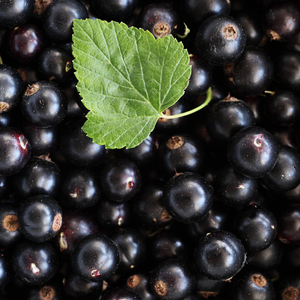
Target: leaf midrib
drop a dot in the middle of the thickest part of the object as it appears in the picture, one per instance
(127, 80)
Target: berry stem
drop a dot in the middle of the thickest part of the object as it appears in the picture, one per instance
(185, 34)
(270, 92)
(189, 112)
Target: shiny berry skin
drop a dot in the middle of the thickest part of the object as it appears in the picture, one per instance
(76, 287)
(219, 217)
(7, 119)
(40, 218)
(120, 180)
(234, 189)
(237, 111)
(111, 214)
(76, 109)
(159, 18)
(172, 279)
(282, 108)
(44, 104)
(251, 74)
(143, 154)
(253, 152)
(285, 175)
(39, 176)
(220, 40)
(114, 10)
(3, 185)
(75, 226)
(187, 197)
(267, 259)
(256, 103)
(43, 140)
(282, 21)
(16, 12)
(55, 64)
(139, 283)
(256, 227)
(287, 69)
(79, 189)
(132, 247)
(15, 151)
(5, 267)
(286, 136)
(196, 12)
(251, 22)
(34, 263)
(58, 19)
(201, 77)
(219, 255)
(77, 147)
(181, 153)
(11, 86)
(289, 224)
(26, 42)
(252, 284)
(95, 258)
(121, 293)
(168, 243)
(147, 207)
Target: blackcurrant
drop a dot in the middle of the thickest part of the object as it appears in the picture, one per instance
(96, 257)
(40, 218)
(187, 197)
(219, 255)
(253, 152)
(220, 40)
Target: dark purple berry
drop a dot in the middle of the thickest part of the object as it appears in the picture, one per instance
(253, 152)
(251, 74)
(159, 18)
(26, 42)
(58, 19)
(120, 180)
(96, 257)
(256, 227)
(44, 104)
(219, 255)
(172, 279)
(11, 87)
(15, 12)
(15, 151)
(115, 9)
(187, 197)
(34, 263)
(75, 226)
(40, 218)
(282, 21)
(220, 40)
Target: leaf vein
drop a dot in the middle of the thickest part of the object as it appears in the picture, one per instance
(130, 83)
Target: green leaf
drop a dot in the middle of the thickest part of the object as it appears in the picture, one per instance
(126, 78)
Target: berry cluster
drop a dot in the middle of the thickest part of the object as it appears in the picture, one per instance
(207, 207)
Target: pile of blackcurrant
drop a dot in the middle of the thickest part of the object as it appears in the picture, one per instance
(206, 207)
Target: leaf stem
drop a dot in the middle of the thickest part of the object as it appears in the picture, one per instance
(189, 112)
